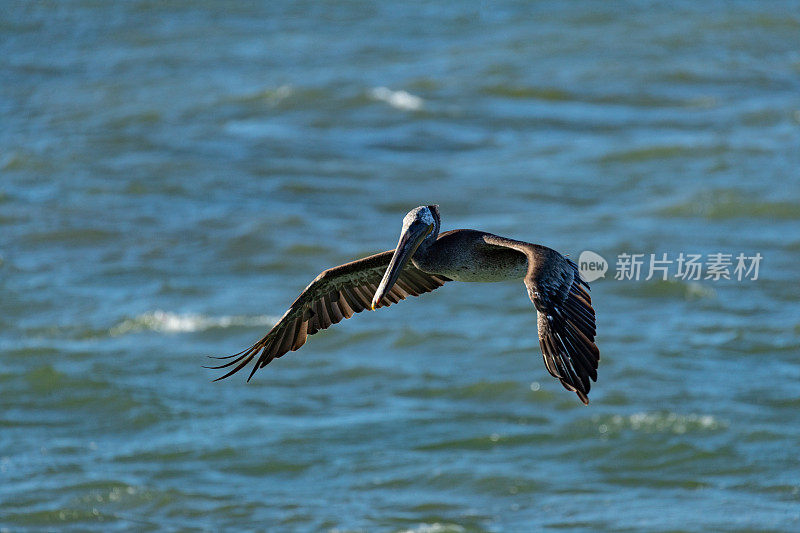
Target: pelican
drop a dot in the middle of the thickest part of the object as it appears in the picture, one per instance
(423, 261)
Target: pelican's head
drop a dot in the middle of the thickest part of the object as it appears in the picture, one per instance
(420, 225)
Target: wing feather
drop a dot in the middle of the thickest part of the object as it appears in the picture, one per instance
(344, 307)
(336, 294)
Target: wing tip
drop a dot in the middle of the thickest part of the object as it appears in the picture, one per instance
(583, 396)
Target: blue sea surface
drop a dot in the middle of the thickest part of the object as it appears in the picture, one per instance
(173, 174)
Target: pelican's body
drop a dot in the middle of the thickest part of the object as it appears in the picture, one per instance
(425, 260)
(466, 255)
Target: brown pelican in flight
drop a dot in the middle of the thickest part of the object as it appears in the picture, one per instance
(425, 260)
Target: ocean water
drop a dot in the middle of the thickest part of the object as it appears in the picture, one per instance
(173, 174)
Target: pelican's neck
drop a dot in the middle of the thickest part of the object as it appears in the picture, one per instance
(425, 245)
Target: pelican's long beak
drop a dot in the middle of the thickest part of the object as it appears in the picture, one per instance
(410, 240)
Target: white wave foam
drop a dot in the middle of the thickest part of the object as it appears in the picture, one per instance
(167, 322)
(397, 99)
(661, 423)
(436, 527)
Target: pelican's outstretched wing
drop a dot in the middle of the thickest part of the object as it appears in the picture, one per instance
(566, 323)
(335, 294)
(565, 315)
